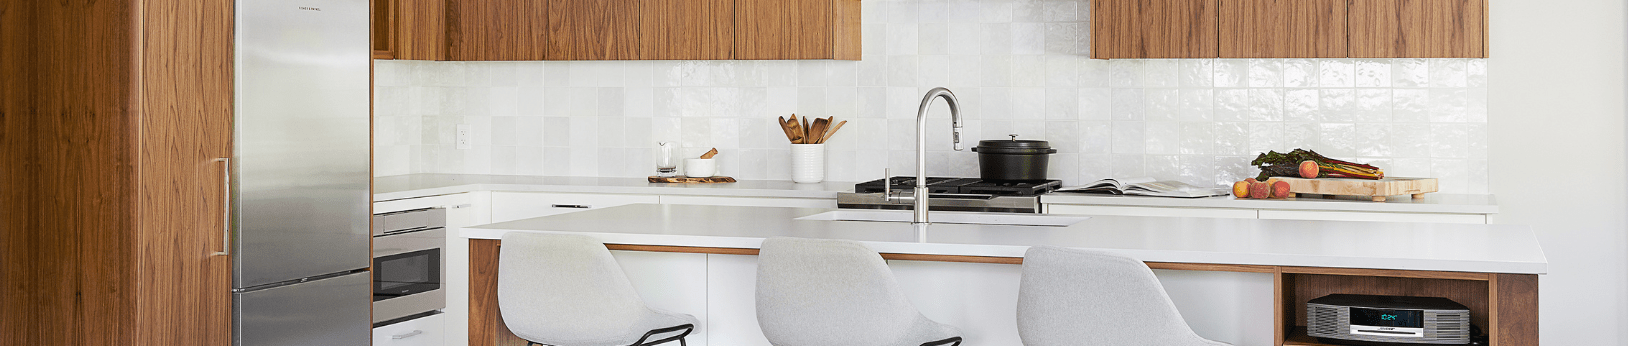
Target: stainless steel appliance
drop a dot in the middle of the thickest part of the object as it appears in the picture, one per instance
(407, 261)
(300, 173)
(953, 194)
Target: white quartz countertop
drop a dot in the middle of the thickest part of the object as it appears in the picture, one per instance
(1336, 244)
(420, 185)
(1428, 203)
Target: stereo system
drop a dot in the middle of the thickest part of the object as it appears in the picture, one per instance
(1352, 319)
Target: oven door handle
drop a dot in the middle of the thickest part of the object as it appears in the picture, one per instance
(400, 243)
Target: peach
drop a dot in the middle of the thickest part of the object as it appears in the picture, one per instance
(1308, 169)
(1280, 189)
(1240, 189)
(1260, 190)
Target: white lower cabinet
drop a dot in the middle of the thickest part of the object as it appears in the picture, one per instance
(510, 206)
(1370, 216)
(752, 201)
(1074, 209)
(423, 331)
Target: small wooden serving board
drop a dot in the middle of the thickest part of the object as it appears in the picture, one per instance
(1376, 189)
(688, 180)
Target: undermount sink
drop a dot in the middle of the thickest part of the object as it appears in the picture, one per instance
(948, 217)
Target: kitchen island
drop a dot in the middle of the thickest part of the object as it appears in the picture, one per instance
(1490, 268)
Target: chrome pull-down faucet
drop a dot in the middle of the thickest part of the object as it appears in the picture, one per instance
(919, 198)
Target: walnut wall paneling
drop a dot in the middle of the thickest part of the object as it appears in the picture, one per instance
(797, 29)
(1134, 29)
(593, 30)
(116, 109)
(1283, 29)
(496, 30)
(686, 29)
(1418, 28)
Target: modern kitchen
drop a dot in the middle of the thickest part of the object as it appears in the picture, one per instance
(814, 172)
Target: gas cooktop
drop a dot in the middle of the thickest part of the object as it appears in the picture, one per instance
(965, 186)
(954, 194)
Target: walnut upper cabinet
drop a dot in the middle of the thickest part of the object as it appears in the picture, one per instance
(797, 29)
(485, 30)
(1283, 29)
(1142, 29)
(1418, 28)
(686, 29)
(409, 29)
(1123, 29)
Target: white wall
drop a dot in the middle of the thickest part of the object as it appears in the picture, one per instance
(1558, 156)
(1018, 66)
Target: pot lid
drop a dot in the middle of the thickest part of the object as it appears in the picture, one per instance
(1014, 146)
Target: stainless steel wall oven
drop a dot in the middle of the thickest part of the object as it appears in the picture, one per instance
(407, 260)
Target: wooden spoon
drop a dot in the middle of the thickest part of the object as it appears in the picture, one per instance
(817, 131)
(785, 127)
(833, 131)
(710, 153)
(797, 129)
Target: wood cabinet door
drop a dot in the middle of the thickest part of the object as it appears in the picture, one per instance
(1137, 29)
(686, 29)
(496, 30)
(413, 29)
(797, 29)
(1418, 28)
(1283, 29)
(593, 30)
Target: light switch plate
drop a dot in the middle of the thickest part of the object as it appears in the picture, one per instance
(464, 134)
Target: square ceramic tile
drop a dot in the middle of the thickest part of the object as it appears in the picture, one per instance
(1301, 105)
(1062, 103)
(1096, 104)
(1448, 73)
(933, 70)
(1266, 73)
(1197, 104)
(1336, 73)
(1163, 138)
(1449, 105)
(1028, 70)
(1129, 104)
(1061, 71)
(1373, 73)
(1410, 73)
(1162, 104)
(1197, 138)
(1028, 38)
(1231, 104)
(1161, 73)
(1125, 73)
(1063, 38)
(1231, 73)
(932, 39)
(1197, 73)
(1266, 104)
(1129, 137)
(1300, 73)
(1337, 105)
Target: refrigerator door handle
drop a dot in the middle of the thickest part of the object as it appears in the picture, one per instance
(226, 207)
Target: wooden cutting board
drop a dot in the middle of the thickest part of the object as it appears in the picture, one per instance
(1376, 189)
(688, 180)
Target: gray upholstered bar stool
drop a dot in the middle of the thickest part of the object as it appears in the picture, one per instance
(816, 292)
(1082, 297)
(567, 290)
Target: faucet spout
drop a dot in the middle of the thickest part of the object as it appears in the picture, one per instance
(920, 200)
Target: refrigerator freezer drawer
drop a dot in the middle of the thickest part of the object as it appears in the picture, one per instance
(332, 311)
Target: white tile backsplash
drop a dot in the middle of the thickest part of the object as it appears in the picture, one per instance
(1018, 66)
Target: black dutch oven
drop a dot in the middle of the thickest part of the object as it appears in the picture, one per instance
(1013, 159)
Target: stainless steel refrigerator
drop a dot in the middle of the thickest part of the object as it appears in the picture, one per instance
(301, 175)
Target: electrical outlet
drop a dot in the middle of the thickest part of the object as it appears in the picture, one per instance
(464, 136)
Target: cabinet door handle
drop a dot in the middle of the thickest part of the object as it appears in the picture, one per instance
(578, 206)
(226, 207)
(413, 333)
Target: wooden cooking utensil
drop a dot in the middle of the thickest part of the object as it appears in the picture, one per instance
(784, 127)
(806, 137)
(817, 131)
(797, 128)
(710, 153)
(833, 131)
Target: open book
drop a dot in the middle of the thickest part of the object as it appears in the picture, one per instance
(1147, 187)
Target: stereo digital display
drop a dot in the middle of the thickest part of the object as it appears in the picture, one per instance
(1387, 318)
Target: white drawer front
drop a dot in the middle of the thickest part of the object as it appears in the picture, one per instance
(1226, 213)
(751, 201)
(1368, 216)
(510, 206)
(425, 331)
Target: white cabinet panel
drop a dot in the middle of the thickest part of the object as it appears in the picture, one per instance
(674, 282)
(1234, 308)
(1365, 216)
(751, 201)
(980, 299)
(424, 331)
(732, 301)
(510, 206)
(1228, 213)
